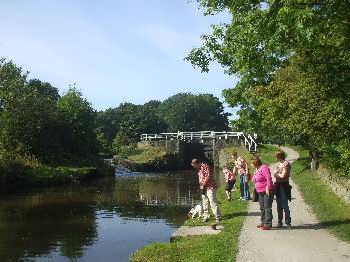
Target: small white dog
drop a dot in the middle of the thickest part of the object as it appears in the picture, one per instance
(197, 210)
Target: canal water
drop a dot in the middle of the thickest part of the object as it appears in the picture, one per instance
(103, 220)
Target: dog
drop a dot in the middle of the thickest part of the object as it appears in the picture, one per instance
(196, 211)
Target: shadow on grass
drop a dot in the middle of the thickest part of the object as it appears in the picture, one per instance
(241, 214)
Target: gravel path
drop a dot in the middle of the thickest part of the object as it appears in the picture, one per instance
(305, 242)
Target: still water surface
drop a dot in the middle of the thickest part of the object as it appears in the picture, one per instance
(104, 220)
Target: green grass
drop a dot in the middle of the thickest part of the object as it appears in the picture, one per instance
(240, 150)
(145, 154)
(332, 212)
(267, 153)
(221, 247)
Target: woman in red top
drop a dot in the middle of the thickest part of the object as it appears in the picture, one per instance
(207, 187)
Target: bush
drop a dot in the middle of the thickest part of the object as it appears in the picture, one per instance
(337, 157)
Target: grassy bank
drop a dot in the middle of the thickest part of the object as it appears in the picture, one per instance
(221, 247)
(20, 174)
(146, 153)
(331, 211)
(148, 158)
(267, 153)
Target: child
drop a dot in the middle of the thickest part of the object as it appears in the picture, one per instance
(230, 179)
(241, 168)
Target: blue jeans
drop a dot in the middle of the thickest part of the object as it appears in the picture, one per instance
(244, 187)
(282, 206)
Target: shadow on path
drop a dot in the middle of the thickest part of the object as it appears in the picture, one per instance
(317, 226)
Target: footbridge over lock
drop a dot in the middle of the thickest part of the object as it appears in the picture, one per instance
(202, 144)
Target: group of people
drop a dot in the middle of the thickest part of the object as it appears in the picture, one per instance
(266, 186)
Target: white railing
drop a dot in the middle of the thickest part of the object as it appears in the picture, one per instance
(249, 141)
(190, 135)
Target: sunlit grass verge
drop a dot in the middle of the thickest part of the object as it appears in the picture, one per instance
(332, 212)
(146, 154)
(267, 153)
(148, 158)
(221, 247)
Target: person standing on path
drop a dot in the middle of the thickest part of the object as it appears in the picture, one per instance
(241, 167)
(282, 188)
(207, 187)
(264, 187)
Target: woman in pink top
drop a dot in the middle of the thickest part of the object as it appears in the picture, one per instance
(264, 186)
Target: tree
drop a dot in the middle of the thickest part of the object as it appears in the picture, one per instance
(188, 112)
(131, 120)
(36, 123)
(264, 40)
(124, 125)
(12, 80)
(78, 135)
(28, 113)
(294, 101)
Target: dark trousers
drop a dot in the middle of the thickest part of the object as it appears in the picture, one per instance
(282, 204)
(265, 202)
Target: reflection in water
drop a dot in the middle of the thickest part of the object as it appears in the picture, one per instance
(105, 220)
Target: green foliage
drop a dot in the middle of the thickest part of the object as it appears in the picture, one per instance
(103, 145)
(130, 121)
(336, 156)
(301, 107)
(36, 123)
(185, 112)
(122, 145)
(293, 60)
(78, 132)
(23, 173)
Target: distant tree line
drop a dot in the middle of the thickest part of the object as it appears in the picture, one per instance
(39, 124)
(293, 62)
(121, 127)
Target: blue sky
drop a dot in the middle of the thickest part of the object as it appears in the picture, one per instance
(115, 51)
